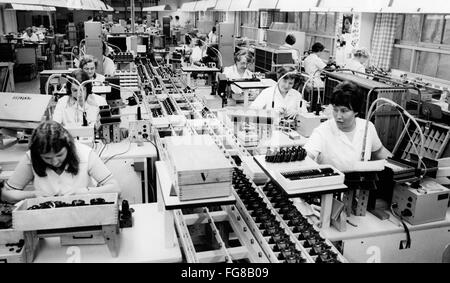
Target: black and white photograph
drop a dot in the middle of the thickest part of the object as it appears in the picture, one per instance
(193, 133)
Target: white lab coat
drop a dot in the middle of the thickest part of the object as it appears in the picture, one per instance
(197, 54)
(289, 104)
(33, 37)
(312, 65)
(90, 168)
(109, 68)
(354, 65)
(332, 146)
(295, 53)
(70, 113)
(232, 74)
(213, 38)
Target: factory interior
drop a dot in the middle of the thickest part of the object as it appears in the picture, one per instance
(313, 131)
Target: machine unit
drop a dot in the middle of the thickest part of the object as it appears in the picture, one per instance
(225, 32)
(94, 43)
(166, 27)
(418, 206)
(268, 59)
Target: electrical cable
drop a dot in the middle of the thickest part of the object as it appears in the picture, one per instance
(408, 234)
(402, 111)
(115, 155)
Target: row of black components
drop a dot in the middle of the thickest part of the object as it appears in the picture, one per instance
(157, 112)
(19, 246)
(205, 112)
(170, 108)
(310, 239)
(125, 215)
(124, 57)
(59, 204)
(309, 174)
(269, 226)
(288, 154)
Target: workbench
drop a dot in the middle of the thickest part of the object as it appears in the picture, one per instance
(130, 164)
(142, 243)
(170, 205)
(375, 240)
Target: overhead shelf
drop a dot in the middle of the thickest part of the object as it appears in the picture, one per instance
(159, 8)
(205, 5)
(188, 7)
(240, 5)
(22, 7)
(222, 5)
(372, 6)
(296, 6)
(419, 6)
(263, 4)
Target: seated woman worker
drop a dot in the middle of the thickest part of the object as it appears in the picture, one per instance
(58, 166)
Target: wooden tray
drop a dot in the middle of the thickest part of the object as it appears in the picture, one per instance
(197, 160)
(66, 217)
(9, 236)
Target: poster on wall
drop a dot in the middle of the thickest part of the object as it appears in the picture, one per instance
(263, 19)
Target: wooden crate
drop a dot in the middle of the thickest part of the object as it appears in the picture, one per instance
(66, 217)
(199, 167)
(10, 236)
(198, 160)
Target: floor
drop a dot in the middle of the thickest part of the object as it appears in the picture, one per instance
(28, 87)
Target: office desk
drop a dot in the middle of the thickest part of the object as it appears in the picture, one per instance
(246, 86)
(264, 83)
(142, 243)
(198, 69)
(375, 240)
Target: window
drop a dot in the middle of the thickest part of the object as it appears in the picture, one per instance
(321, 22)
(411, 31)
(427, 63)
(312, 22)
(432, 29)
(305, 21)
(446, 39)
(444, 67)
(425, 39)
(331, 24)
(399, 28)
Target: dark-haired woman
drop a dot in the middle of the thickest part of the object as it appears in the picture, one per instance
(339, 141)
(314, 64)
(281, 97)
(70, 108)
(58, 166)
(289, 45)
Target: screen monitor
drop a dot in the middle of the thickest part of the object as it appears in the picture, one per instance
(158, 42)
(6, 52)
(119, 41)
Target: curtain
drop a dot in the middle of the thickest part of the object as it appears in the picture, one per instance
(383, 40)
